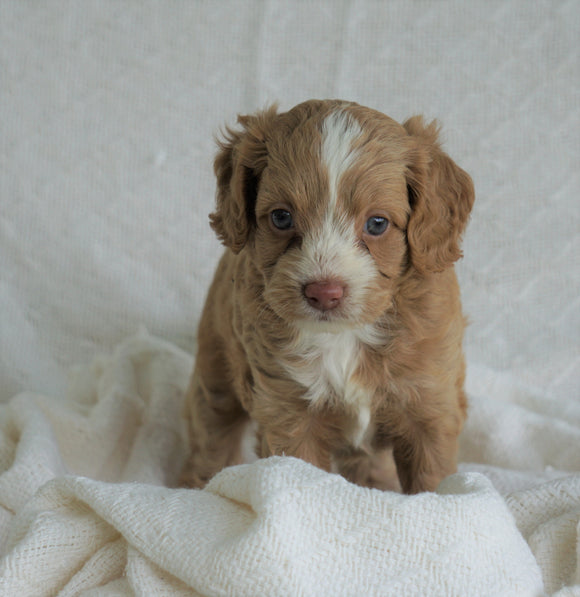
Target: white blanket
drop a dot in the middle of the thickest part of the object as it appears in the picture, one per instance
(87, 508)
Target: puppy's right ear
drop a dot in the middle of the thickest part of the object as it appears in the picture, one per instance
(238, 166)
(441, 196)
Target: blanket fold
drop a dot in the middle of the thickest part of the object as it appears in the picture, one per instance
(87, 507)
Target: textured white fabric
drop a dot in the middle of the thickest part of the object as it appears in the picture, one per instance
(108, 114)
(71, 523)
(107, 117)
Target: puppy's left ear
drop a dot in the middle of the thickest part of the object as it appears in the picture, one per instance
(238, 166)
(441, 195)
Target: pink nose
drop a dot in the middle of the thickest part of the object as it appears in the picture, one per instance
(324, 295)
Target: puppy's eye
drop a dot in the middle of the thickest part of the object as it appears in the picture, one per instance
(282, 219)
(376, 225)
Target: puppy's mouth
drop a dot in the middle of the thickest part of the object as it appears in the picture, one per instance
(326, 323)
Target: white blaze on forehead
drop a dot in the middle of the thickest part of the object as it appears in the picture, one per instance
(331, 250)
(339, 132)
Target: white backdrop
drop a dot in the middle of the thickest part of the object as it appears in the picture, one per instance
(108, 112)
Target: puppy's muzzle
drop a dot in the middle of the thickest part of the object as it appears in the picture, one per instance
(324, 296)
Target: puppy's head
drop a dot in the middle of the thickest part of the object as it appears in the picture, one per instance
(335, 202)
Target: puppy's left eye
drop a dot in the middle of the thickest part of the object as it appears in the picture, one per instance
(376, 225)
(282, 219)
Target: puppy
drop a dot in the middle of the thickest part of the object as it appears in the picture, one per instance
(333, 328)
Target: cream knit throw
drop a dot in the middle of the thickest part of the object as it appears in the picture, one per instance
(87, 507)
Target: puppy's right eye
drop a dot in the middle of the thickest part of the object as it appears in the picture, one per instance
(376, 225)
(282, 219)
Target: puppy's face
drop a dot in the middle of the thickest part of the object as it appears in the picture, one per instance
(323, 198)
(331, 214)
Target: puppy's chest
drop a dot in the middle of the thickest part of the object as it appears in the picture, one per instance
(325, 365)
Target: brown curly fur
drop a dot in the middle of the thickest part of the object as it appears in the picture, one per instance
(262, 350)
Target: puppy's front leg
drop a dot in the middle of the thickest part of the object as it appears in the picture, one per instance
(217, 422)
(425, 452)
(303, 434)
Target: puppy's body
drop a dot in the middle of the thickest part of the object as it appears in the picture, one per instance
(334, 321)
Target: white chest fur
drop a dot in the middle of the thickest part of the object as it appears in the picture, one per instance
(324, 365)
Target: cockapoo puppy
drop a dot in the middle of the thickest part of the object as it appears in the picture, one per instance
(333, 328)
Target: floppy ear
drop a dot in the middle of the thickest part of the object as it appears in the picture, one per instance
(441, 195)
(238, 165)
